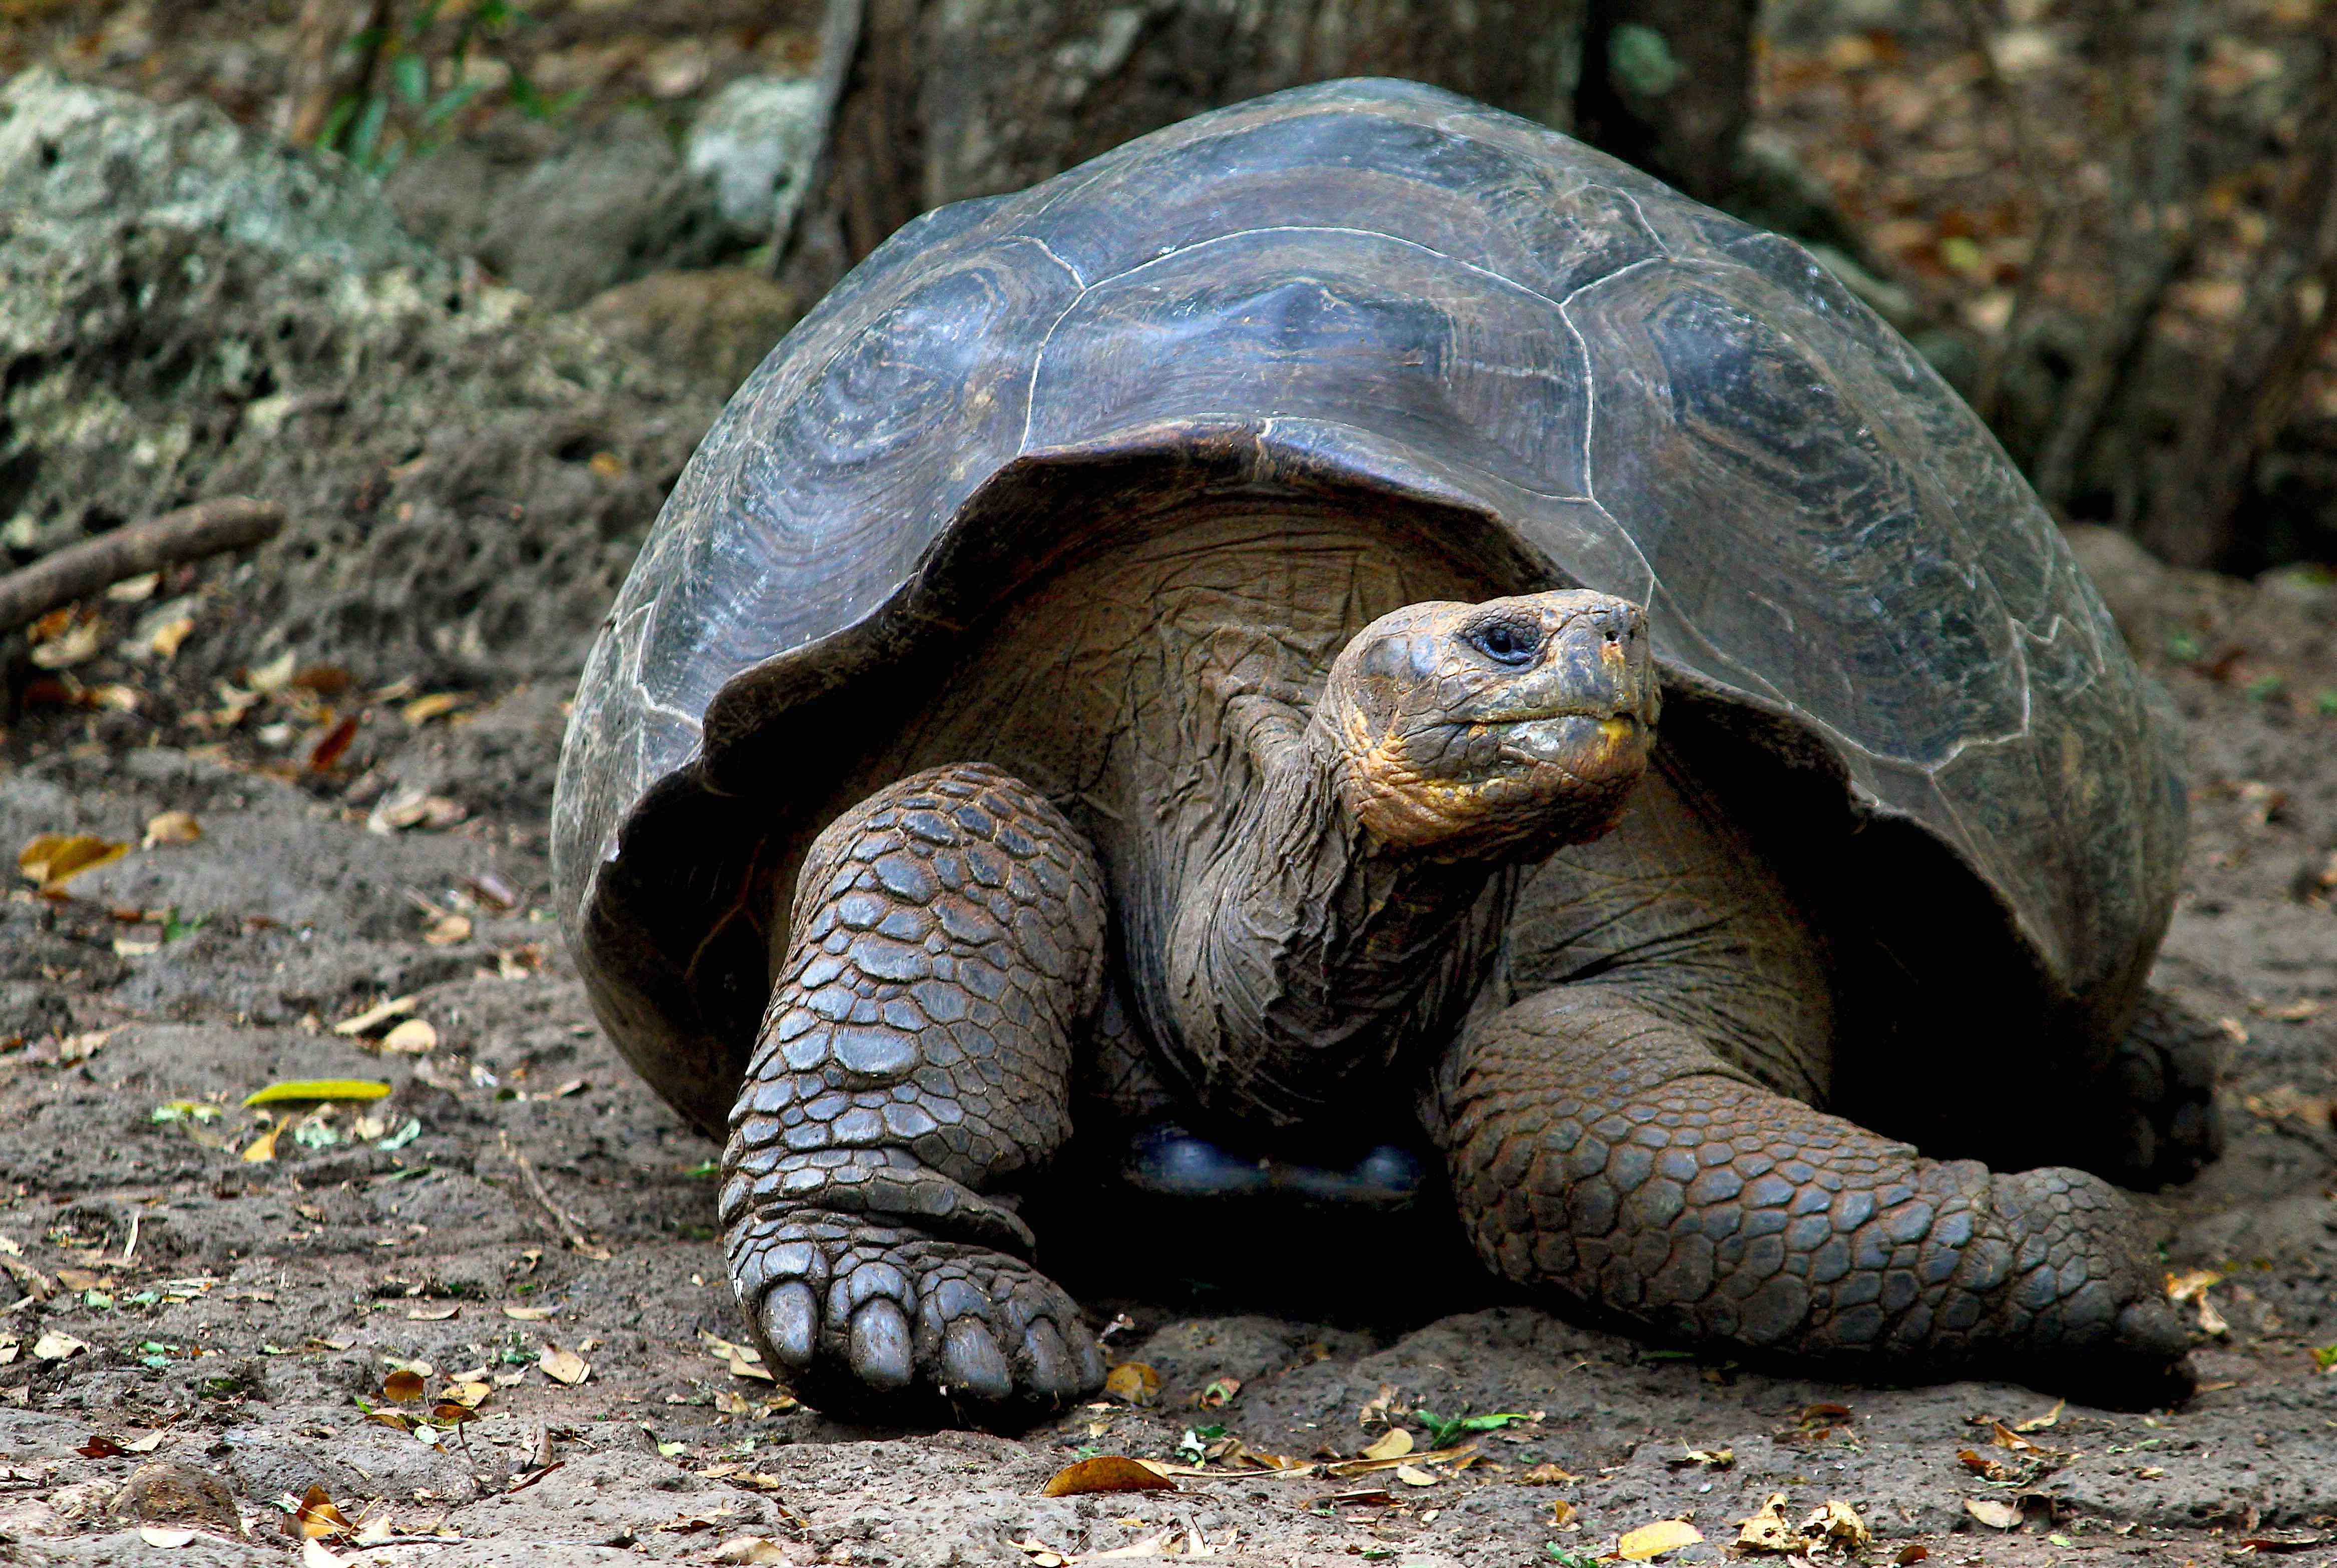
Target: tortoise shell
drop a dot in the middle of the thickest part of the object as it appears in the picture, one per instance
(1373, 289)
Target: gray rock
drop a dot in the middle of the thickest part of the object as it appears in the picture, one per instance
(187, 308)
(611, 204)
(756, 143)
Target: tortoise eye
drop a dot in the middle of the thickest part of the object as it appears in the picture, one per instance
(1508, 642)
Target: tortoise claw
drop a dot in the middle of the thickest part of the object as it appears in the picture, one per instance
(880, 1345)
(791, 1323)
(973, 1364)
(908, 1326)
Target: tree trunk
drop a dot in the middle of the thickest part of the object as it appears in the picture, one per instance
(949, 99)
(2286, 316)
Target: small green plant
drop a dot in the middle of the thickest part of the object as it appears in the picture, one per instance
(2325, 701)
(423, 77)
(1567, 1557)
(2264, 688)
(2324, 1358)
(1442, 1430)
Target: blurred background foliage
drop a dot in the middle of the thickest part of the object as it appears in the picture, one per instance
(2111, 224)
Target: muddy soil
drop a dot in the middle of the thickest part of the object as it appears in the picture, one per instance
(520, 1222)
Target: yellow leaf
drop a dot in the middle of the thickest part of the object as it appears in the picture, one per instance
(1413, 1476)
(1838, 1522)
(1132, 1383)
(318, 1089)
(1649, 1540)
(170, 827)
(53, 860)
(1547, 1474)
(1392, 1444)
(437, 704)
(527, 1314)
(2039, 1423)
(1561, 1513)
(1106, 1473)
(53, 1346)
(263, 1149)
(1766, 1530)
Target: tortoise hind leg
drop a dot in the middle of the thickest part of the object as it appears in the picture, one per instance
(946, 949)
(1606, 1155)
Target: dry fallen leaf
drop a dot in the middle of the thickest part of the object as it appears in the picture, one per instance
(135, 590)
(1909, 1555)
(1650, 1540)
(1547, 1474)
(527, 1314)
(1767, 1531)
(316, 1554)
(50, 860)
(162, 1535)
(403, 1386)
(263, 1149)
(1561, 1513)
(1132, 1383)
(318, 1517)
(1413, 1476)
(375, 1016)
(1105, 1472)
(744, 1360)
(447, 930)
(62, 639)
(1839, 1523)
(414, 1037)
(1993, 1511)
(2039, 1423)
(752, 1549)
(170, 827)
(53, 1346)
(434, 705)
(325, 754)
(431, 1314)
(1392, 1444)
(562, 1365)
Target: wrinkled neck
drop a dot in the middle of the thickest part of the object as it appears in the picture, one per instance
(1305, 957)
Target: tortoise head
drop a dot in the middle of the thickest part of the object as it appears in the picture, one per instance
(1495, 730)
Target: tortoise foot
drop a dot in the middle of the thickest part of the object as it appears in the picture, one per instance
(2159, 1121)
(879, 1322)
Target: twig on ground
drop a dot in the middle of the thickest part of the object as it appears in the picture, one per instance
(569, 1230)
(77, 571)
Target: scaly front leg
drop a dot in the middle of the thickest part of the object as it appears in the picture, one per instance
(947, 949)
(1606, 1156)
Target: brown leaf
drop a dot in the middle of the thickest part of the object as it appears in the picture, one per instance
(318, 1518)
(331, 744)
(1839, 1523)
(1651, 1541)
(1980, 1465)
(1561, 1513)
(50, 860)
(432, 1314)
(1105, 1472)
(403, 1386)
(1909, 1555)
(100, 1447)
(1132, 1383)
(1392, 1444)
(1547, 1474)
(63, 638)
(2039, 1423)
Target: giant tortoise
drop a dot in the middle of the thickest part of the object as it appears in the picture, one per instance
(1175, 653)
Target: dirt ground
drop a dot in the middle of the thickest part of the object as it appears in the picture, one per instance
(519, 1206)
